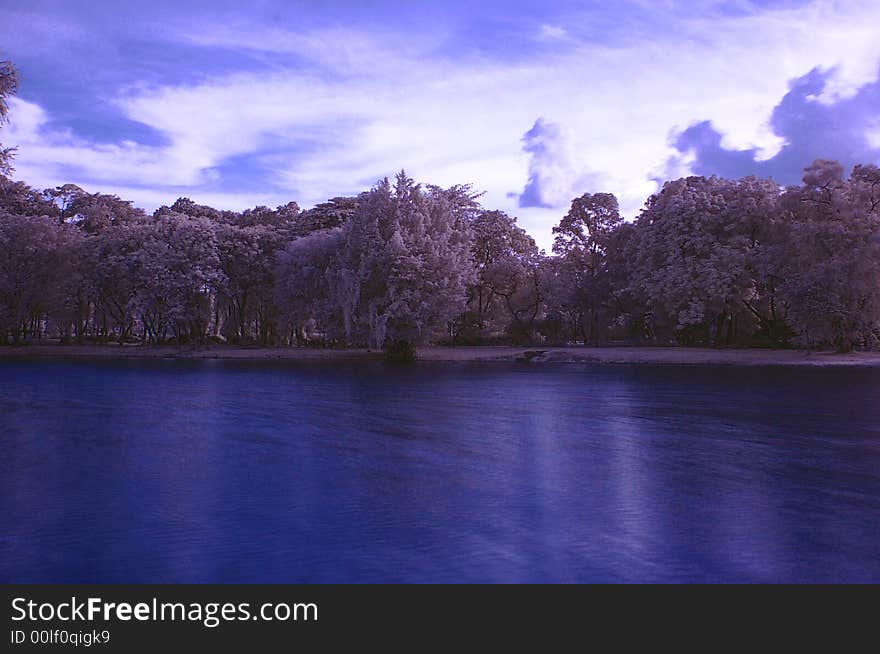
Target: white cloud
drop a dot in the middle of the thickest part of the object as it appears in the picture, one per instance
(553, 33)
(554, 177)
(339, 49)
(392, 104)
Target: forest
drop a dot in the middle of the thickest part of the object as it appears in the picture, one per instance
(708, 261)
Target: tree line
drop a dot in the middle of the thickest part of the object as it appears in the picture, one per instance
(709, 261)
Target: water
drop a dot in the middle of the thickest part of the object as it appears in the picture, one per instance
(220, 471)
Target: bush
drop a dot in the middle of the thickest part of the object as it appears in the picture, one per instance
(400, 351)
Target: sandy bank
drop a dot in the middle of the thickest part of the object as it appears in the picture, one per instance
(536, 355)
(653, 355)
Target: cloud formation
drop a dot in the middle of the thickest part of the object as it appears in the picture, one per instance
(554, 175)
(811, 126)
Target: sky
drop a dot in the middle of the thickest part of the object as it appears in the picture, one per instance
(237, 104)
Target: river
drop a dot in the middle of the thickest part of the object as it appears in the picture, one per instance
(229, 471)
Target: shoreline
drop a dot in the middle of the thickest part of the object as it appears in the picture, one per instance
(462, 354)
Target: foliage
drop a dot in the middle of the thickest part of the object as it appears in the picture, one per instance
(9, 81)
(708, 261)
(399, 351)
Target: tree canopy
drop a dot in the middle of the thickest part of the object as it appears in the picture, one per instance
(709, 261)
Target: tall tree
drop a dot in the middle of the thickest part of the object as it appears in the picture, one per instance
(496, 240)
(404, 269)
(832, 252)
(32, 251)
(582, 239)
(302, 289)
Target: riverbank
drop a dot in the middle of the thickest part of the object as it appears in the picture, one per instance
(602, 355)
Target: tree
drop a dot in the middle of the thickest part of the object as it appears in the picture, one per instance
(582, 239)
(302, 289)
(113, 276)
(190, 208)
(701, 257)
(865, 183)
(94, 212)
(32, 268)
(518, 278)
(497, 240)
(759, 229)
(403, 271)
(246, 307)
(327, 215)
(177, 272)
(832, 252)
(9, 80)
(284, 217)
(21, 200)
(64, 197)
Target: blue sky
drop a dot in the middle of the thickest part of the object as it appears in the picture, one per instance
(237, 104)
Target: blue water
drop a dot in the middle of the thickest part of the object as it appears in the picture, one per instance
(220, 471)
